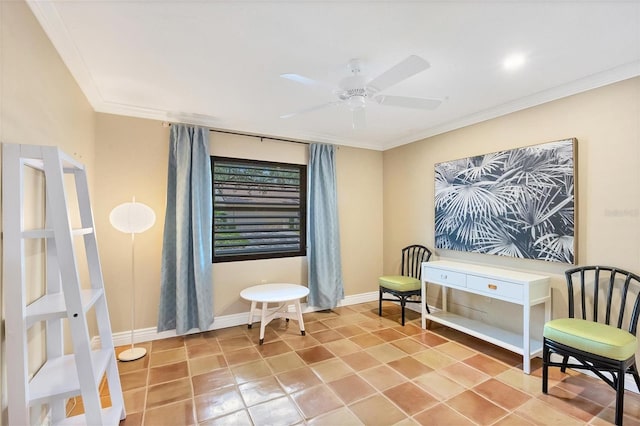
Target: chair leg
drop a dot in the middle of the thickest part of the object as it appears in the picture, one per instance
(380, 303)
(545, 367)
(403, 302)
(565, 359)
(620, 397)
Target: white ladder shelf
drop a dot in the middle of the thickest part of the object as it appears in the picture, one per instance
(62, 376)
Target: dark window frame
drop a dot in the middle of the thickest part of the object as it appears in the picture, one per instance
(302, 210)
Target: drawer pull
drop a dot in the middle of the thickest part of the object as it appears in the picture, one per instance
(492, 286)
(444, 277)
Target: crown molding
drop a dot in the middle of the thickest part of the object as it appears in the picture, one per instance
(201, 120)
(53, 26)
(591, 82)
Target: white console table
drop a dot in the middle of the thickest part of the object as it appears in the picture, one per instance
(520, 288)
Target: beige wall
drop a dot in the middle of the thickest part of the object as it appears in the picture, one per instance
(41, 104)
(360, 208)
(606, 122)
(132, 160)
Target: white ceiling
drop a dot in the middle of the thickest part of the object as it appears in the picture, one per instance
(217, 63)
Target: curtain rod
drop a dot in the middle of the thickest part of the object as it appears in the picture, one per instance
(258, 136)
(228, 132)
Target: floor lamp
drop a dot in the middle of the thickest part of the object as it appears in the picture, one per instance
(132, 218)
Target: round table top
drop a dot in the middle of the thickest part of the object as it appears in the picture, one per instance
(276, 292)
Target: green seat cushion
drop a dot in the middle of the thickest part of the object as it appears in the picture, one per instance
(399, 283)
(592, 337)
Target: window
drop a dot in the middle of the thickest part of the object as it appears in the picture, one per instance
(259, 209)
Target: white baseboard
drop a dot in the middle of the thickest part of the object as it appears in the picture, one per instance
(354, 299)
(630, 384)
(148, 334)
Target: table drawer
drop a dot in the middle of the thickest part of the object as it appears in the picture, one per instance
(444, 277)
(496, 288)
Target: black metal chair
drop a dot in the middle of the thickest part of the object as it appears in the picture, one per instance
(407, 284)
(601, 337)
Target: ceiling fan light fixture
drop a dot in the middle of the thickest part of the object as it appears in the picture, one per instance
(358, 120)
(356, 101)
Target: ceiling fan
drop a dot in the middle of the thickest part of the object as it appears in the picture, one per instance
(357, 90)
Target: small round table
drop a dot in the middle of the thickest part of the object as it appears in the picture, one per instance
(275, 293)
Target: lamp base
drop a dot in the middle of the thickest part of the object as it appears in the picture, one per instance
(132, 354)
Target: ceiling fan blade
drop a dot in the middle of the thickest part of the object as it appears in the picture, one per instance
(359, 119)
(313, 108)
(407, 102)
(307, 81)
(394, 75)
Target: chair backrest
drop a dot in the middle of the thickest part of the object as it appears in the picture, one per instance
(412, 258)
(604, 294)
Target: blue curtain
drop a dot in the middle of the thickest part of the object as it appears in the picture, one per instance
(325, 268)
(186, 297)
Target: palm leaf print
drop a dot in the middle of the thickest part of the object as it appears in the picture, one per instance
(517, 203)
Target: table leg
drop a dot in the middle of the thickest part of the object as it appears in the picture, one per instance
(253, 308)
(423, 309)
(547, 310)
(526, 339)
(300, 320)
(263, 321)
(444, 298)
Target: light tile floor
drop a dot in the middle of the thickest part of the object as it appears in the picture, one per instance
(352, 368)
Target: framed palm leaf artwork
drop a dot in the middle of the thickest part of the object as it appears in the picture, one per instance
(518, 203)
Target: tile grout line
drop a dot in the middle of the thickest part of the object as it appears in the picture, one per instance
(194, 410)
(146, 388)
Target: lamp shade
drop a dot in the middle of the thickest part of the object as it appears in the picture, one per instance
(132, 218)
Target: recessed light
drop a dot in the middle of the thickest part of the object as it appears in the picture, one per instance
(513, 62)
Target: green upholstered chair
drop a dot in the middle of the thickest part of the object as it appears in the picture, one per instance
(600, 333)
(408, 284)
